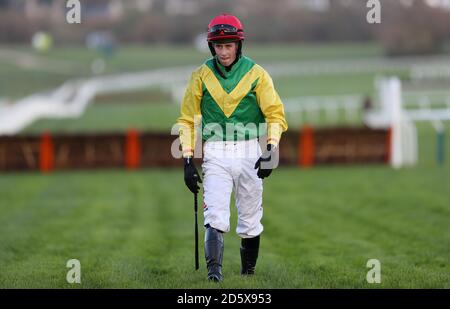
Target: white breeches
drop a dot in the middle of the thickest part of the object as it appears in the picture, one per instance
(227, 167)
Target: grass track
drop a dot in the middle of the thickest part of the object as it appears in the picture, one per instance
(129, 229)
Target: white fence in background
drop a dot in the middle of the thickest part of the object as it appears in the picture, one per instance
(427, 106)
(327, 109)
(71, 99)
(400, 110)
(396, 109)
(390, 114)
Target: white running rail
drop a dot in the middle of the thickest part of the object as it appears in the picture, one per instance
(71, 99)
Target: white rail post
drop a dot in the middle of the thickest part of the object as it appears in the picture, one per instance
(391, 97)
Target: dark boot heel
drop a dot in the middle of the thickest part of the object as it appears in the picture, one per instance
(249, 255)
(214, 253)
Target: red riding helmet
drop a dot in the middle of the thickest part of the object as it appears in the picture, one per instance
(225, 27)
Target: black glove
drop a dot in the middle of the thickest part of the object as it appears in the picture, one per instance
(267, 168)
(191, 176)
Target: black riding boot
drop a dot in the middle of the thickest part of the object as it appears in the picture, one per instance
(214, 253)
(249, 255)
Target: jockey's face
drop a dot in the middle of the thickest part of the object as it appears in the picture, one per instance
(226, 52)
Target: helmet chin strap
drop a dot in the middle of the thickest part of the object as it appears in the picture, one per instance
(218, 70)
(211, 48)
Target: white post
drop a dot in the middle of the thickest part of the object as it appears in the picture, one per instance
(404, 133)
(392, 93)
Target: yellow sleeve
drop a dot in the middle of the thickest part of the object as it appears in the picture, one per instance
(190, 112)
(272, 108)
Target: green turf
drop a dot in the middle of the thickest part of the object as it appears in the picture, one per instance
(129, 230)
(322, 225)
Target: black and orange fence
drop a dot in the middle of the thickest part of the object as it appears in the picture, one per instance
(134, 149)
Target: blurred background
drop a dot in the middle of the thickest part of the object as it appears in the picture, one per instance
(114, 84)
(312, 47)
